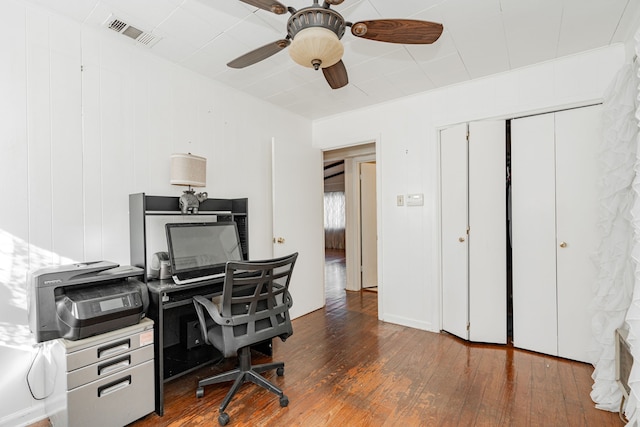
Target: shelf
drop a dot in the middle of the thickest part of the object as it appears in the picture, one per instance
(179, 361)
(200, 212)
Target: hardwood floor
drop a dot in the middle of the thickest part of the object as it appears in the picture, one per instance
(344, 367)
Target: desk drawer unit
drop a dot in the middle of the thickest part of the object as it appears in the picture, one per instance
(106, 380)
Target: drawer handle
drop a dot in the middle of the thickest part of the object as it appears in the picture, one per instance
(114, 365)
(114, 386)
(117, 347)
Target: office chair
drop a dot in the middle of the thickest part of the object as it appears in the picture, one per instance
(253, 308)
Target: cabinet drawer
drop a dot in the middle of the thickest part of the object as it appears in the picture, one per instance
(104, 368)
(108, 348)
(116, 400)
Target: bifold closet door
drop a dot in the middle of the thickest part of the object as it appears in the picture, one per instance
(554, 219)
(454, 209)
(474, 231)
(487, 232)
(578, 134)
(533, 242)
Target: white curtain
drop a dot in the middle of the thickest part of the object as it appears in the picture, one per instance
(633, 315)
(617, 156)
(334, 219)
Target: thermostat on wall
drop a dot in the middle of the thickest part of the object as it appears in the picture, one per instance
(415, 199)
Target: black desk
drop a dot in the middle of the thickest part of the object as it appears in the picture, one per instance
(171, 308)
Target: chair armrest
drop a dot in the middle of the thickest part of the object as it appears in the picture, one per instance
(287, 296)
(201, 304)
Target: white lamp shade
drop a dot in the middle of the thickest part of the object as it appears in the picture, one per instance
(187, 169)
(316, 43)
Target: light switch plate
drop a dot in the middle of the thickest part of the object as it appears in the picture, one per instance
(416, 199)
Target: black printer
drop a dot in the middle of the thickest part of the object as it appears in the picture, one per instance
(81, 300)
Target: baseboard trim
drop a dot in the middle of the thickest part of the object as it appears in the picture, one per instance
(411, 323)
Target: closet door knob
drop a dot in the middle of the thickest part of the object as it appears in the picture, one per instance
(563, 244)
(460, 239)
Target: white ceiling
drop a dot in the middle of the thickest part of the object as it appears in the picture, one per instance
(481, 37)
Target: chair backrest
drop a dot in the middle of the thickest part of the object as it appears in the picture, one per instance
(255, 301)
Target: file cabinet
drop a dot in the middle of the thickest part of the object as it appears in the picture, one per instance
(103, 381)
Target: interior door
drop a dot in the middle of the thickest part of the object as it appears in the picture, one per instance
(368, 225)
(487, 232)
(454, 220)
(298, 223)
(533, 225)
(578, 133)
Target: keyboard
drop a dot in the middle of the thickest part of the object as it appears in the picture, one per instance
(196, 276)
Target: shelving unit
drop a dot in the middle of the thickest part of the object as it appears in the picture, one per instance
(142, 207)
(170, 305)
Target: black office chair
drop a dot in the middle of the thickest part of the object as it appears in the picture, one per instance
(253, 308)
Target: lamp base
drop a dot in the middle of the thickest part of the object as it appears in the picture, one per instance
(190, 201)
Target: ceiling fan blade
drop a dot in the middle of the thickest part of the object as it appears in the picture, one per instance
(403, 31)
(259, 54)
(336, 75)
(270, 5)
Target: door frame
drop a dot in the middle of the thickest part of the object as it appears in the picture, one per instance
(354, 217)
(369, 219)
(353, 156)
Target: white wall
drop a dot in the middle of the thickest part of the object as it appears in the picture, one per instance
(74, 144)
(407, 152)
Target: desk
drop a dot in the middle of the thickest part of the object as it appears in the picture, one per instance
(171, 308)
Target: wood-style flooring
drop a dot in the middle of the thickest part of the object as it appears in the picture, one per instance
(345, 367)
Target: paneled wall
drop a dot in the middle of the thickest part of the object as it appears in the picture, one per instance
(406, 132)
(86, 118)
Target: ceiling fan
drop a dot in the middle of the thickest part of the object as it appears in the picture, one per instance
(314, 33)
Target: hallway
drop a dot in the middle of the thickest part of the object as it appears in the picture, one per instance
(335, 276)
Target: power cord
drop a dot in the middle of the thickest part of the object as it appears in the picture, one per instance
(28, 380)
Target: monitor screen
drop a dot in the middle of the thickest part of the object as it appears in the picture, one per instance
(194, 246)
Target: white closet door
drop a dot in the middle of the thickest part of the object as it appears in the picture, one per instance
(454, 208)
(533, 234)
(578, 133)
(487, 235)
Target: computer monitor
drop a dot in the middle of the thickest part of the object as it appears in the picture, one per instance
(200, 250)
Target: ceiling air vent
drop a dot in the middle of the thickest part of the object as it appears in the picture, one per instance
(119, 26)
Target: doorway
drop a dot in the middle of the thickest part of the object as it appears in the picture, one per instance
(342, 172)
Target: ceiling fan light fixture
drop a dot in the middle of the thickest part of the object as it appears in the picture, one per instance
(314, 44)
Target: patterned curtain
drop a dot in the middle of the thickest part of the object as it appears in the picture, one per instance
(334, 220)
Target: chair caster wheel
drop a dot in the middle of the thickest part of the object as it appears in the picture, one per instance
(199, 392)
(280, 372)
(284, 401)
(223, 419)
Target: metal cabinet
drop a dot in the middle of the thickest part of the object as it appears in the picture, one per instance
(103, 381)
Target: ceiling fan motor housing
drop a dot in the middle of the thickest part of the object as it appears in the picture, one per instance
(315, 33)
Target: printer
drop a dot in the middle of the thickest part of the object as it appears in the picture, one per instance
(81, 300)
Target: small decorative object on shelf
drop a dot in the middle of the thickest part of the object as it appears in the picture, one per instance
(187, 169)
(190, 201)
